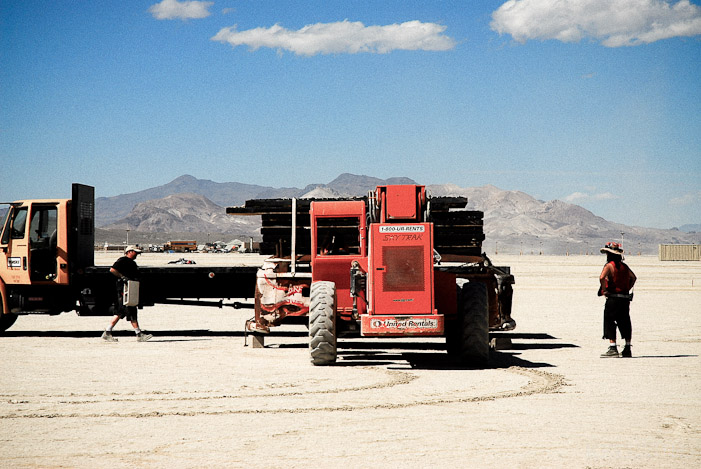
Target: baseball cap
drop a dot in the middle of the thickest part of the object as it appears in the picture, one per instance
(131, 247)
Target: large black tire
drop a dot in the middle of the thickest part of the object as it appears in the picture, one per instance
(472, 346)
(322, 323)
(6, 320)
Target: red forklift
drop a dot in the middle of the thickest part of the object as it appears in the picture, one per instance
(396, 263)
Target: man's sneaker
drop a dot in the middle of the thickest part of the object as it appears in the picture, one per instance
(626, 352)
(108, 337)
(143, 337)
(611, 352)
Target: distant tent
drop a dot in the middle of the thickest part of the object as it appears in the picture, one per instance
(236, 245)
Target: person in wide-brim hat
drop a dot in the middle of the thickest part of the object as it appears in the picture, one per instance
(612, 248)
(615, 283)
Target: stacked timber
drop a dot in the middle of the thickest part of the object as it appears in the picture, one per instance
(276, 224)
(457, 232)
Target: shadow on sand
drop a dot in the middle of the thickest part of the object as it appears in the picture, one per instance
(197, 333)
(359, 351)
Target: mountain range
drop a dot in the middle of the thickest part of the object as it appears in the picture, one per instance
(514, 222)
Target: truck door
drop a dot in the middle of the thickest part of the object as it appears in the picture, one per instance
(43, 242)
(14, 246)
(29, 243)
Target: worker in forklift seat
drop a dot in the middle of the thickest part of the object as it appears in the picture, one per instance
(334, 245)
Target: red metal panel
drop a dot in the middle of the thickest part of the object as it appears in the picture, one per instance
(401, 202)
(338, 208)
(337, 269)
(401, 269)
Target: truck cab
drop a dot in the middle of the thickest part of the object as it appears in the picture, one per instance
(33, 248)
(39, 253)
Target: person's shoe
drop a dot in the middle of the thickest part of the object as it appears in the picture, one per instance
(611, 352)
(626, 353)
(108, 337)
(143, 337)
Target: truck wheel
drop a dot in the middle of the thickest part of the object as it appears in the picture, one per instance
(6, 320)
(473, 324)
(322, 323)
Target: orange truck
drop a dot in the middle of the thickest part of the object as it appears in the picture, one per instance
(47, 266)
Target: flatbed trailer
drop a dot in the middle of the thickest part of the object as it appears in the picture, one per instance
(47, 266)
(191, 285)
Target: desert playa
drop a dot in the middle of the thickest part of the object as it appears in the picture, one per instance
(197, 396)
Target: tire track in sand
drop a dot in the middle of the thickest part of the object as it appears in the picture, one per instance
(539, 382)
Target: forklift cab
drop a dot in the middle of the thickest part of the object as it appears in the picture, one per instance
(338, 240)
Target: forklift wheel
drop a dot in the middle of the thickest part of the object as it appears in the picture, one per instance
(322, 323)
(473, 325)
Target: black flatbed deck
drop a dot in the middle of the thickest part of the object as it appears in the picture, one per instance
(161, 283)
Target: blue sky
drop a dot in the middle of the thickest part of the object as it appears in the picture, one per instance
(595, 102)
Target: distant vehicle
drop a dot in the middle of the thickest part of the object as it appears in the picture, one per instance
(180, 246)
(182, 260)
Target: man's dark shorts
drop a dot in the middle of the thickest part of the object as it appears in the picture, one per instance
(128, 312)
(617, 313)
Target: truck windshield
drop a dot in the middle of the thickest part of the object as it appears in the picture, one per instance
(6, 228)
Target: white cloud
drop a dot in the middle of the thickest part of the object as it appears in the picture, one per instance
(687, 199)
(173, 9)
(604, 196)
(576, 196)
(614, 23)
(587, 196)
(342, 37)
